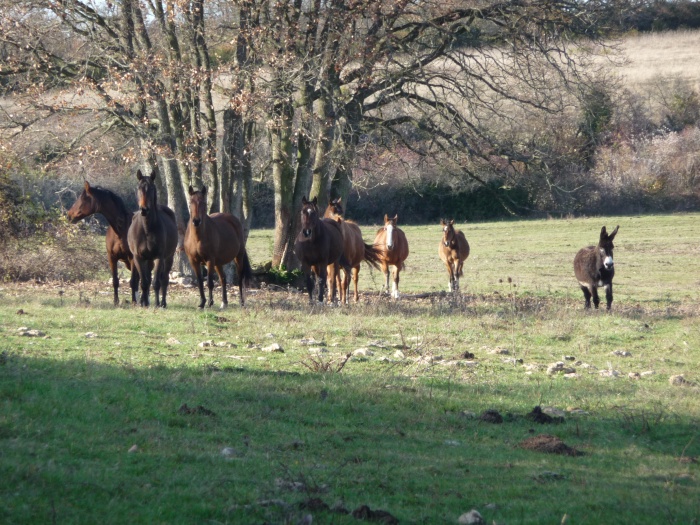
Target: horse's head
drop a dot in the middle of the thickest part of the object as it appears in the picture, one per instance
(335, 209)
(448, 232)
(389, 226)
(309, 216)
(85, 206)
(606, 246)
(198, 205)
(146, 194)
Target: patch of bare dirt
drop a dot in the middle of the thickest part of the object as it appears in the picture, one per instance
(550, 445)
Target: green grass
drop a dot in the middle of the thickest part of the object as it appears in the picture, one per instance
(397, 435)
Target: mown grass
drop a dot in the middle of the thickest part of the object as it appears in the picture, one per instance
(401, 435)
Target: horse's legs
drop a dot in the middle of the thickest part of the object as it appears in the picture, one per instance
(144, 270)
(458, 272)
(166, 265)
(115, 278)
(310, 276)
(385, 269)
(321, 278)
(157, 280)
(332, 270)
(609, 295)
(197, 268)
(450, 275)
(355, 278)
(210, 282)
(596, 299)
(395, 285)
(586, 295)
(134, 282)
(222, 278)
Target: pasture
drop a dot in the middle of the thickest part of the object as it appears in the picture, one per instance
(131, 415)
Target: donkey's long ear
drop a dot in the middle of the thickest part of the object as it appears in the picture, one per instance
(139, 175)
(315, 201)
(395, 219)
(88, 188)
(452, 222)
(153, 175)
(614, 232)
(204, 191)
(386, 218)
(304, 201)
(442, 222)
(190, 190)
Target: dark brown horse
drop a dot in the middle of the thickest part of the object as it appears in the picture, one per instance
(594, 268)
(99, 200)
(453, 250)
(392, 246)
(355, 250)
(152, 239)
(215, 240)
(319, 248)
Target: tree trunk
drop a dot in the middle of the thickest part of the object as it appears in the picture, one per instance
(283, 179)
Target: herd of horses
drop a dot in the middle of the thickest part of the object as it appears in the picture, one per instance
(330, 248)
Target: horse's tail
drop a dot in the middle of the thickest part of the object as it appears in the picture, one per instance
(372, 255)
(244, 268)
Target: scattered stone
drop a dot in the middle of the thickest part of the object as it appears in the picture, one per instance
(274, 347)
(20, 312)
(198, 410)
(559, 368)
(384, 359)
(573, 375)
(133, 448)
(452, 443)
(230, 452)
(270, 335)
(399, 355)
(538, 416)
(634, 375)
(471, 518)
(512, 361)
(224, 344)
(609, 373)
(377, 344)
(621, 353)
(687, 459)
(491, 416)
(290, 486)
(380, 516)
(647, 373)
(318, 350)
(576, 411)
(679, 380)
(499, 351)
(90, 335)
(362, 352)
(534, 367)
(491, 506)
(206, 344)
(468, 414)
(173, 341)
(588, 366)
(569, 358)
(26, 332)
(554, 412)
(548, 475)
(550, 445)
(310, 341)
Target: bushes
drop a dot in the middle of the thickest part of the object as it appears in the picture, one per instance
(36, 242)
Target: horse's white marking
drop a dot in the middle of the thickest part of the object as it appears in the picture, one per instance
(390, 236)
(600, 283)
(394, 290)
(223, 306)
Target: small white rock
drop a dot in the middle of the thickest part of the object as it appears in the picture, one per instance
(133, 448)
(274, 347)
(471, 518)
(90, 335)
(206, 344)
(362, 352)
(399, 355)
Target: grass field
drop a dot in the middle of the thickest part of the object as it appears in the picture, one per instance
(93, 426)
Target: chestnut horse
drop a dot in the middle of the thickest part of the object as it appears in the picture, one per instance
(392, 247)
(453, 250)
(215, 240)
(594, 268)
(355, 250)
(152, 239)
(319, 248)
(100, 200)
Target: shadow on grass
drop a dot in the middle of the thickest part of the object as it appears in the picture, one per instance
(82, 441)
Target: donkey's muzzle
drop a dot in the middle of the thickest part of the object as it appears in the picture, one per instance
(196, 222)
(307, 233)
(144, 211)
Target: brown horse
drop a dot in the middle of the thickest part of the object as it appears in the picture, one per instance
(355, 250)
(594, 268)
(152, 239)
(392, 246)
(99, 200)
(319, 248)
(453, 250)
(215, 240)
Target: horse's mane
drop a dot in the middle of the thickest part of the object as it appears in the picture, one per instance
(109, 194)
